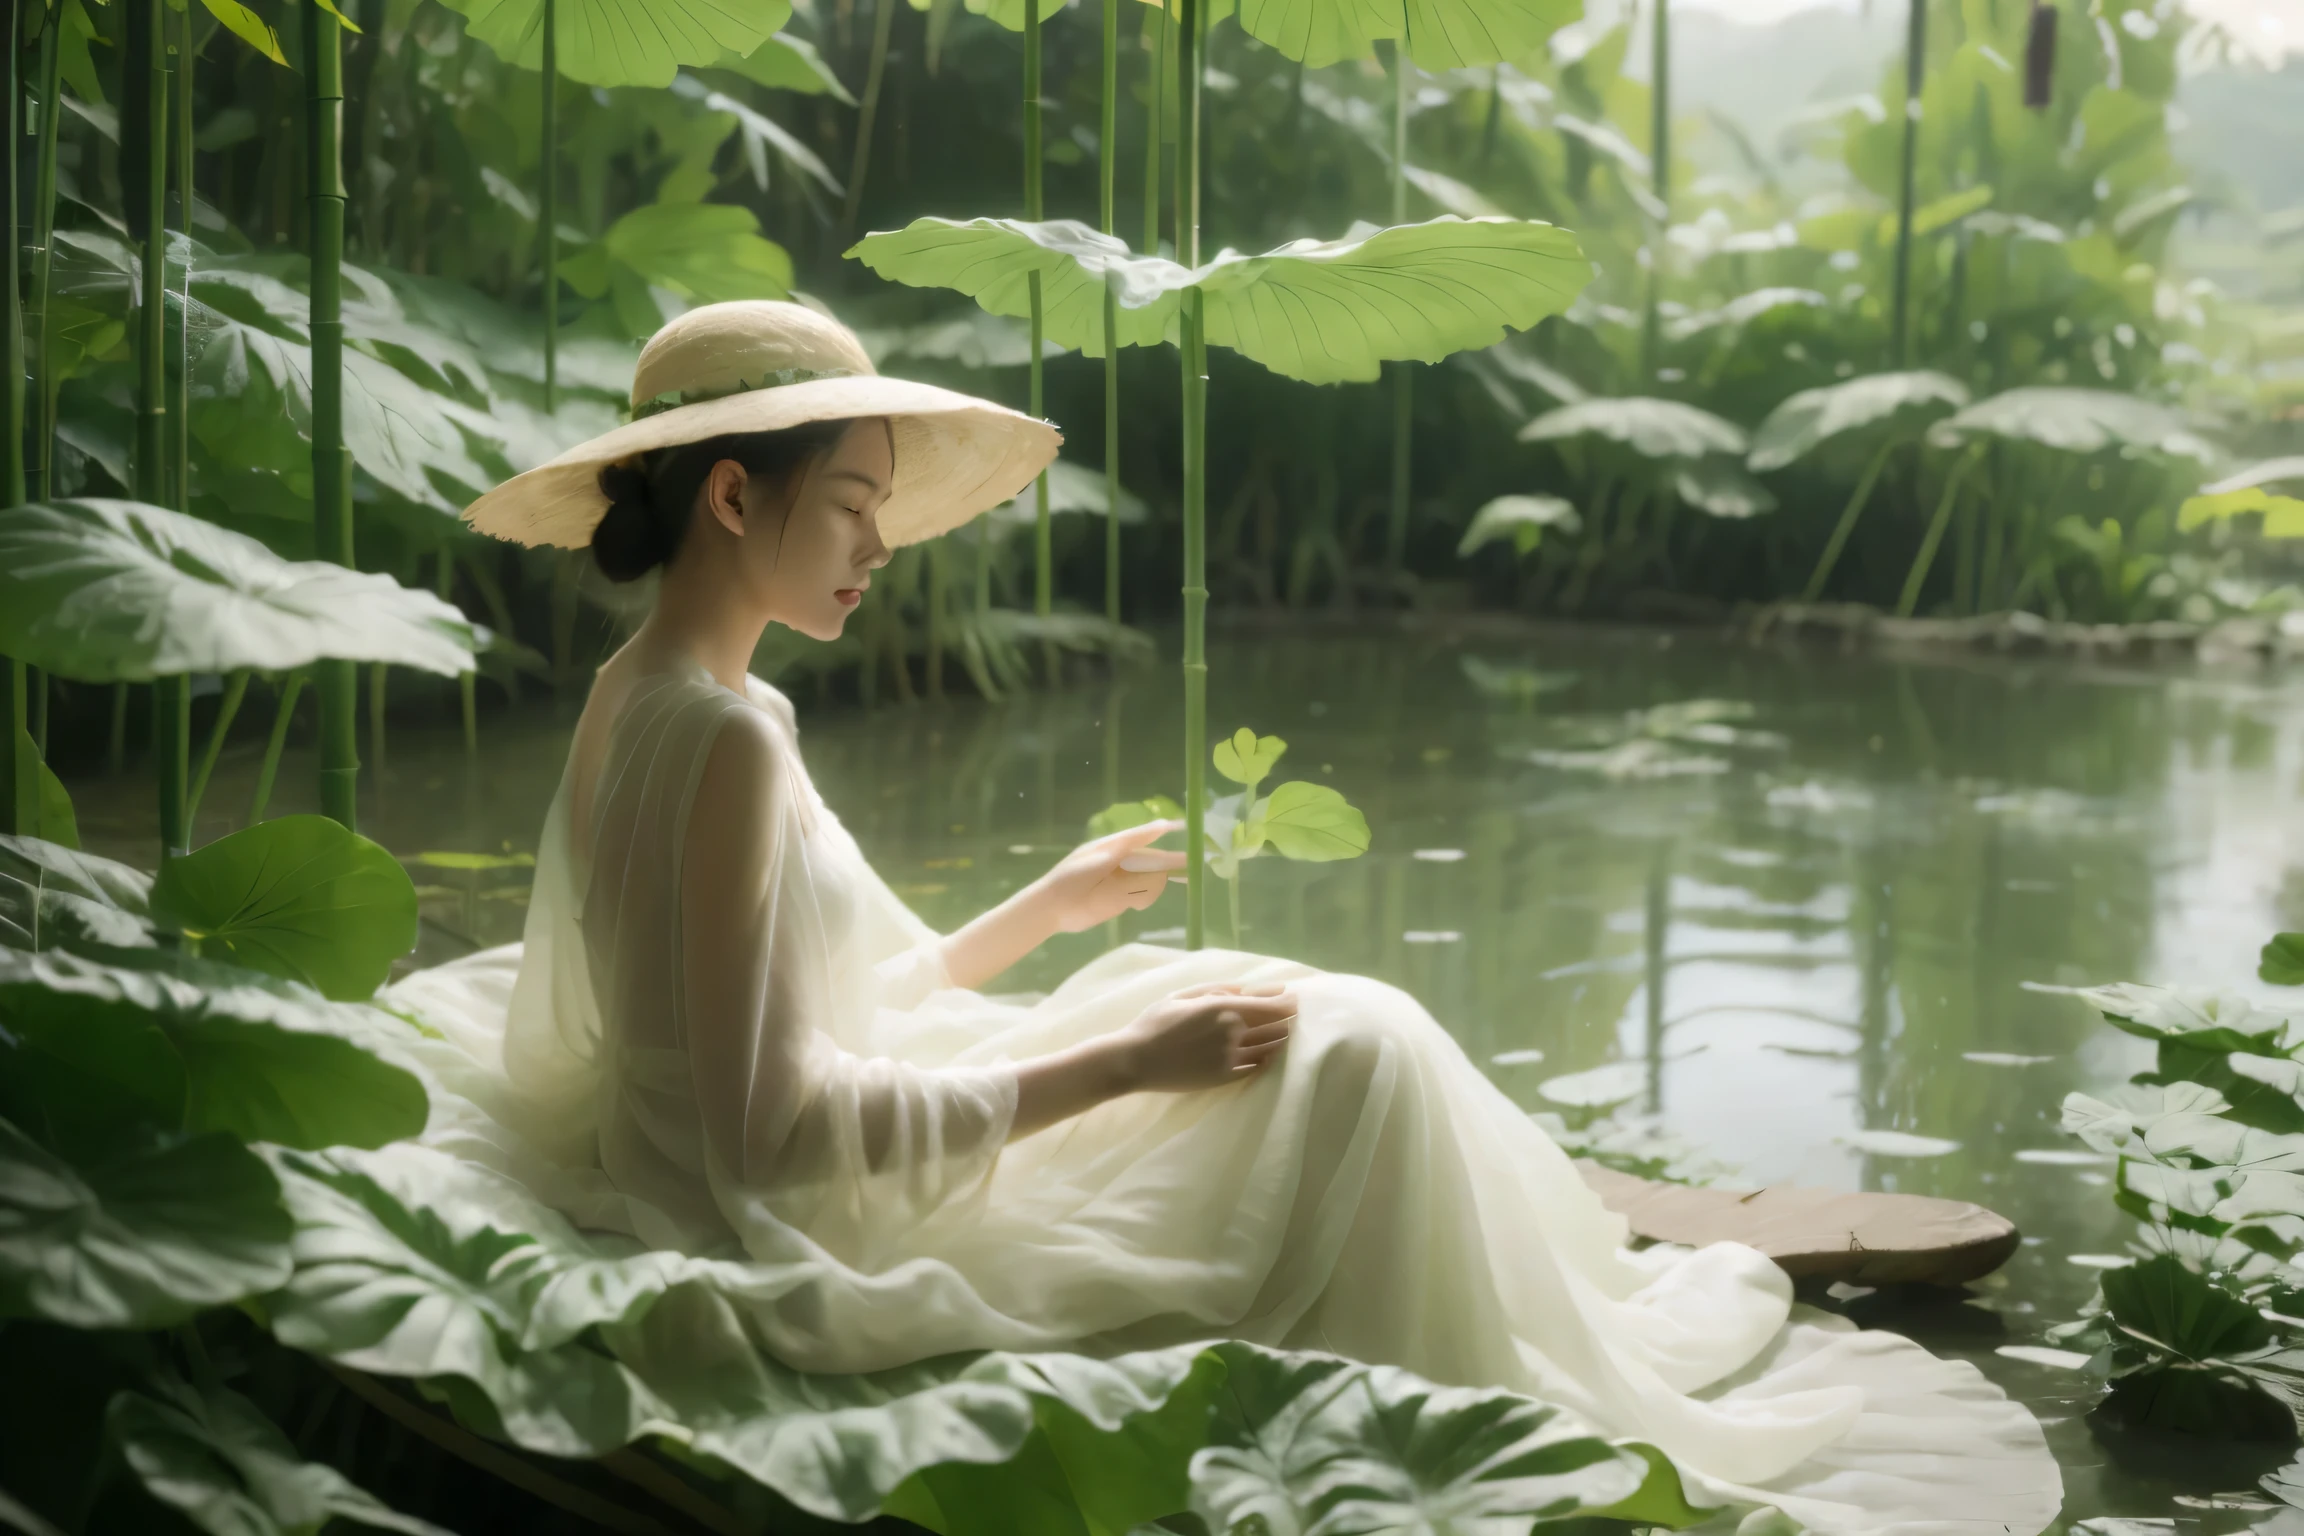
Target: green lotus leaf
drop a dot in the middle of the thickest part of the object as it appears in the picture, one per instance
(1312, 822)
(120, 591)
(299, 897)
(1305, 1443)
(789, 63)
(2202, 1021)
(1521, 519)
(708, 252)
(2074, 421)
(2282, 960)
(992, 261)
(2288, 471)
(1071, 488)
(623, 42)
(1010, 13)
(54, 897)
(1743, 309)
(1438, 34)
(762, 136)
(211, 1455)
(2182, 1310)
(1721, 488)
(1133, 813)
(225, 1050)
(1651, 428)
(142, 1238)
(2123, 1122)
(1876, 404)
(1323, 311)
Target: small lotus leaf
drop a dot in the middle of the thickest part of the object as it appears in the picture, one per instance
(1899, 403)
(1652, 428)
(1247, 758)
(2074, 421)
(1522, 519)
(1312, 822)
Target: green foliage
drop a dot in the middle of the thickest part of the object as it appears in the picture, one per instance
(1320, 311)
(298, 897)
(2074, 421)
(1895, 405)
(53, 897)
(1653, 429)
(2282, 963)
(1520, 519)
(624, 42)
(210, 1454)
(118, 591)
(139, 1237)
(1437, 34)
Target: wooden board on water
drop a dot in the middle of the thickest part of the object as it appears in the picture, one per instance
(1820, 1234)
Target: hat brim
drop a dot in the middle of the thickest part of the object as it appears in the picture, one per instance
(956, 456)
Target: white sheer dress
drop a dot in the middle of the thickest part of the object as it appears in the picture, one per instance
(797, 1081)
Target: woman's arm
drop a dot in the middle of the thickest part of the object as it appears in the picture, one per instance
(1201, 1037)
(1094, 883)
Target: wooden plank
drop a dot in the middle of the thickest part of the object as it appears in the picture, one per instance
(1820, 1234)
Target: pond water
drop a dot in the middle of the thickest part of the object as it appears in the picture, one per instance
(1795, 897)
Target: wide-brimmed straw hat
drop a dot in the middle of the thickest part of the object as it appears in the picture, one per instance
(758, 365)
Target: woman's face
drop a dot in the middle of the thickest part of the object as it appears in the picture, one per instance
(810, 566)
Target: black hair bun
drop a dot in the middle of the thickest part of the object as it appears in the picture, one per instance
(630, 541)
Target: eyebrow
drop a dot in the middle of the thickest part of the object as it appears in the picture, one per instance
(857, 475)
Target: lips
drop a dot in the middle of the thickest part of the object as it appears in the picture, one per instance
(849, 597)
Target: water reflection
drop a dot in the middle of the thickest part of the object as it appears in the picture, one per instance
(1798, 894)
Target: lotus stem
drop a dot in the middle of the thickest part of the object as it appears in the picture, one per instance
(376, 713)
(1900, 290)
(1232, 896)
(468, 681)
(1910, 598)
(868, 110)
(171, 747)
(274, 745)
(1191, 29)
(1043, 547)
(235, 689)
(338, 681)
(116, 742)
(180, 383)
(936, 620)
(1846, 526)
(1403, 379)
(20, 807)
(548, 204)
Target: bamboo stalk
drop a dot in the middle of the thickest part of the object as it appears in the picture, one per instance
(1107, 203)
(548, 205)
(1660, 182)
(1403, 377)
(1915, 71)
(1191, 34)
(1846, 525)
(1043, 537)
(43, 237)
(883, 21)
(338, 681)
(180, 386)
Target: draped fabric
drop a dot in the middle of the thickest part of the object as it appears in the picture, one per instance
(784, 1074)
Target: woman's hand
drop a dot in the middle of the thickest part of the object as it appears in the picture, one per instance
(1094, 883)
(1099, 880)
(1206, 1036)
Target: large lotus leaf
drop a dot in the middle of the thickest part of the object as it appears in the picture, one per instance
(1652, 428)
(1317, 1443)
(2074, 421)
(789, 63)
(211, 1455)
(2124, 1121)
(1311, 822)
(301, 897)
(1898, 404)
(2183, 1310)
(55, 897)
(1438, 34)
(121, 591)
(1010, 13)
(624, 42)
(140, 1239)
(1324, 311)
(2203, 1021)
(992, 261)
(1330, 311)
(214, 1048)
(708, 252)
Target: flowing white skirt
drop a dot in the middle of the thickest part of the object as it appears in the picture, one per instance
(1372, 1195)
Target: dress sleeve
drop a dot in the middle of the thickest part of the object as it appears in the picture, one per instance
(852, 1149)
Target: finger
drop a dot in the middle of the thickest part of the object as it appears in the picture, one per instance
(1260, 1010)
(1129, 839)
(1147, 859)
(1261, 1050)
(1273, 1029)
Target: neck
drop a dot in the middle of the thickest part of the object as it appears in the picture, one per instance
(701, 613)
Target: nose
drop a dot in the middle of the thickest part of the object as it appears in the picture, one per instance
(877, 552)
